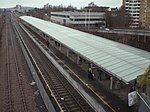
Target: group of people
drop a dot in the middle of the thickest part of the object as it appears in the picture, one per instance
(90, 74)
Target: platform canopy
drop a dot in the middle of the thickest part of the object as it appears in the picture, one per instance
(122, 61)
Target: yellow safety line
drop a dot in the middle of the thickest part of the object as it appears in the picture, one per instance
(45, 80)
(80, 79)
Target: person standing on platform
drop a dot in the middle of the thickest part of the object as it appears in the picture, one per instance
(89, 73)
(92, 76)
(47, 43)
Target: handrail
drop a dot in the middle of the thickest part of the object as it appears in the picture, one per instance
(143, 100)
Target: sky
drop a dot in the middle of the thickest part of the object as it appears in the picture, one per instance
(41, 3)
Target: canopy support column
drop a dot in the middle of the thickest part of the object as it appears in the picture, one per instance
(67, 52)
(111, 83)
(60, 46)
(78, 59)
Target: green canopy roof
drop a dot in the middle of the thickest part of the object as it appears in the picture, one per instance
(122, 61)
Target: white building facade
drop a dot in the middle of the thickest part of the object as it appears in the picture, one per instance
(81, 19)
(132, 7)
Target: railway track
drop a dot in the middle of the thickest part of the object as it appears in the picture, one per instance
(16, 100)
(19, 78)
(68, 98)
(9, 99)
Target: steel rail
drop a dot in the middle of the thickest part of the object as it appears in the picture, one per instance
(18, 74)
(54, 75)
(39, 71)
(10, 105)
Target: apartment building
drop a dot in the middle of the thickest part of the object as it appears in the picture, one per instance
(148, 15)
(139, 11)
(145, 14)
(79, 19)
(132, 8)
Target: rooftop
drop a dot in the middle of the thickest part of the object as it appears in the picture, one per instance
(76, 13)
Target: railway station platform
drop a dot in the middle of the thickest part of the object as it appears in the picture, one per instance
(115, 72)
(116, 99)
(93, 87)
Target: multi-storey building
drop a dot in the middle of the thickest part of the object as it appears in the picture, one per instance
(79, 19)
(148, 15)
(139, 11)
(132, 8)
(145, 14)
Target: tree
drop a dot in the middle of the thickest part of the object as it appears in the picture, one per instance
(117, 18)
